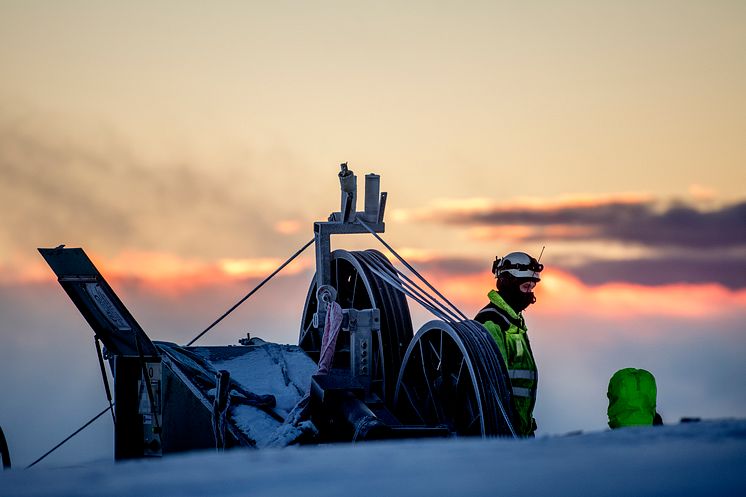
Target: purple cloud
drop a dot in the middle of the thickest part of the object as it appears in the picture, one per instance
(681, 226)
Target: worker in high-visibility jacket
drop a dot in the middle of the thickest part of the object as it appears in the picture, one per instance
(517, 274)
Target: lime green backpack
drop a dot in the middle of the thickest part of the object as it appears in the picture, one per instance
(632, 396)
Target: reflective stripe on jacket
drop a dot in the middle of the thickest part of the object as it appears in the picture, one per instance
(508, 329)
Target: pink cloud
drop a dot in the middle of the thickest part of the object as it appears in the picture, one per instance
(562, 295)
(163, 273)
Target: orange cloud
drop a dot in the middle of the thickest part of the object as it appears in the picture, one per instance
(702, 193)
(562, 295)
(507, 231)
(413, 255)
(517, 232)
(288, 226)
(163, 273)
(24, 270)
(254, 268)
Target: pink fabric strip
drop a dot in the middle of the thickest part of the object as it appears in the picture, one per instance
(332, 326)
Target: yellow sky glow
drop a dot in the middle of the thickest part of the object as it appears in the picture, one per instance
(177, 138)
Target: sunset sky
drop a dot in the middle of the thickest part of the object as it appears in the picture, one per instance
(189, 147)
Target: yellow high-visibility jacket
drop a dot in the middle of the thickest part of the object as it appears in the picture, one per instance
(509, 331)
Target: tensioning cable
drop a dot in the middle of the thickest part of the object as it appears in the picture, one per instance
(94, 418)
(252, 292)
(410, 267)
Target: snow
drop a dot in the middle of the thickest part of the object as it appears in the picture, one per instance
(283, 371)
(692, 459)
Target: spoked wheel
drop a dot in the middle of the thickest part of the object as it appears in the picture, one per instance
(453, 375)
(359, 288)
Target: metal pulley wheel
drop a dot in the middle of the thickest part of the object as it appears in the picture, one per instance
(453, 374)
(358, 288)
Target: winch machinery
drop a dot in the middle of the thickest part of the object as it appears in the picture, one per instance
(384, 381)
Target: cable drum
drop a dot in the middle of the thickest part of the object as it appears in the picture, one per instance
(358, 287)
(494, 378)
(453, 375)
(396, 321)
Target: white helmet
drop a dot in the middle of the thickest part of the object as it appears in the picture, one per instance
(518, 264)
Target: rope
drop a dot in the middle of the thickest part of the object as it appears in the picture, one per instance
(69, 437)
(265, 280)
(105, 378)
(220, 406)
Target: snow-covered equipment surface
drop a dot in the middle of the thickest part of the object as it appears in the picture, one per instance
(267, 380)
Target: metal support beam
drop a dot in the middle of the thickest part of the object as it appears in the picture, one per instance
(362, 325)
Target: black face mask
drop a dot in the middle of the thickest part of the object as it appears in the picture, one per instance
(515, 298)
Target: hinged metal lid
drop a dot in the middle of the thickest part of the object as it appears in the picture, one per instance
(97, 302)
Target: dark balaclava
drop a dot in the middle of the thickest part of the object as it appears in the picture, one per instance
(509, 289)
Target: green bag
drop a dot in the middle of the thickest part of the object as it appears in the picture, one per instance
(632, 396)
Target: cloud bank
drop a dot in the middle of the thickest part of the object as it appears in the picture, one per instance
(681, 243)
(632, 221)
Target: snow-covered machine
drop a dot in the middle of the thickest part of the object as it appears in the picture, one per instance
(358, 371)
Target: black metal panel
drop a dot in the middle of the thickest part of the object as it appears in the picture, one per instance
(97, 302)
(187, 422)
(128, 432)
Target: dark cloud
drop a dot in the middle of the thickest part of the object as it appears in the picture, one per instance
(729, 272)
(684, 226)
(699, 237)
(641, 223)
